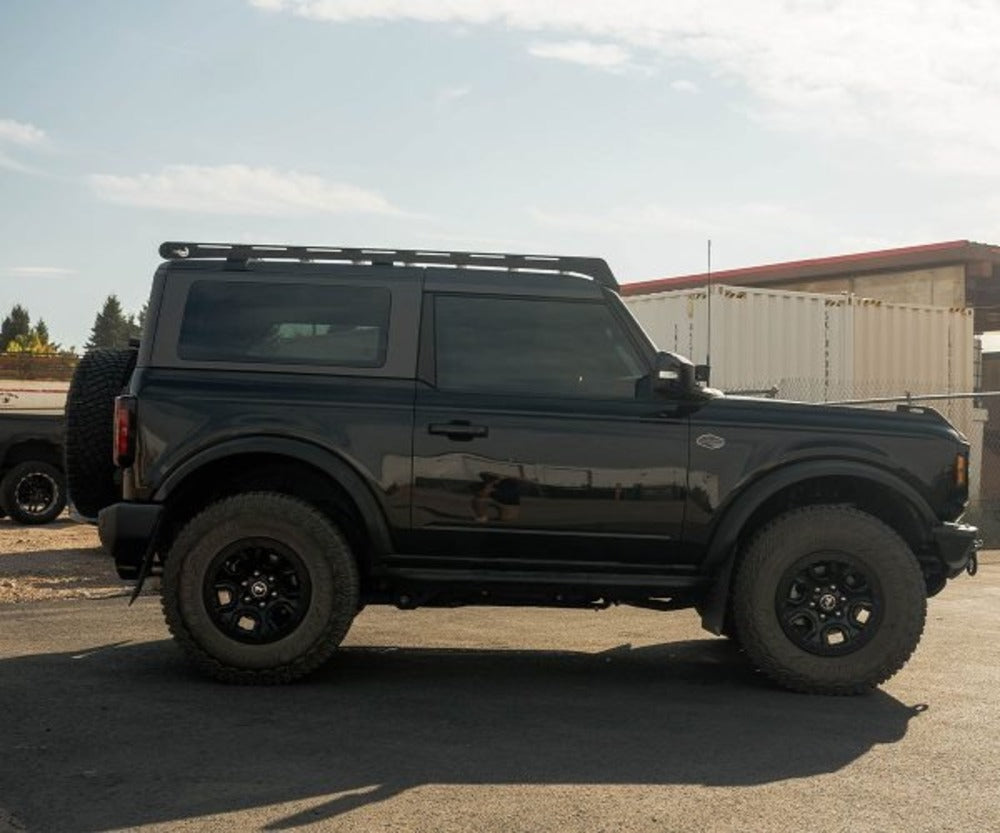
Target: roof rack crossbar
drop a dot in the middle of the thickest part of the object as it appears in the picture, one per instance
(592, 267)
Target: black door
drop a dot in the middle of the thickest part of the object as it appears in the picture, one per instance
(532, 443)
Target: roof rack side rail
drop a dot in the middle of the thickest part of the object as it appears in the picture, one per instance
(592, 267)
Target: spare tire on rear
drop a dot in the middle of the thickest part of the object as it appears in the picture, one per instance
(90, 472)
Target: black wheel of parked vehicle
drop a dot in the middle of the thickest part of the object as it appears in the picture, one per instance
(829, 600)
(90, 473)
(33, 492)
(259, 588)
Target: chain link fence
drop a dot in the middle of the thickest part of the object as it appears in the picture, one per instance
(975, 414)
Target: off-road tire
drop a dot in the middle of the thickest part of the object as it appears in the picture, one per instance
(90, 472)
(54, 485)
(853, 536)
(319, 546)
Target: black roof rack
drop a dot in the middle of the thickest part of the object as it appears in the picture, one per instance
(592, 267)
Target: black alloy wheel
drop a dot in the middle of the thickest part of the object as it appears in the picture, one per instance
(827, 605)
(257, 590)
(33, 492)
(828, 599)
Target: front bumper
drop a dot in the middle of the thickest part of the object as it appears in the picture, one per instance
(957, 545)
(126, 531)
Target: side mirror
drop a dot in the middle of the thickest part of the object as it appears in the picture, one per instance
(702, 372)
(673, 375)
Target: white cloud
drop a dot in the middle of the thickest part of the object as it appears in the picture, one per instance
(20, 133)
(240, 190)
(682, 85)
(40, 271)
(922, 78)
(588, 53)
(621, 220)
(450, 95)
(11, 164)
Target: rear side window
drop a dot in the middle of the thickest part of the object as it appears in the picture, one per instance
(280, 323)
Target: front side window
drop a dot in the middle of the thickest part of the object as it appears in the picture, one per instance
(536, 347)
(236, 321)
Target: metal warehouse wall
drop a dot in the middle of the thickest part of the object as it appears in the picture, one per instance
(942, 286)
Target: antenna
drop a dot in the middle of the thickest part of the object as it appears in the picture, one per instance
(708, 346)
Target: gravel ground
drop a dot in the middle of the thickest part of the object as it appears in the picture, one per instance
(62, 560)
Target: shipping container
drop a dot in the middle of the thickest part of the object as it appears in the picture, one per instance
(815, 347)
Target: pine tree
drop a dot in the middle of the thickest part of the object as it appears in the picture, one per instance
(18, 323)
(111, 327)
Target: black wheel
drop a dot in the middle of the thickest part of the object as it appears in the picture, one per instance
(259, 588)
(90, 473)
(829, 600)
(33, 492)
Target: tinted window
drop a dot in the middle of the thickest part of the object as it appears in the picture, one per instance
(285, 323)
(520, 345)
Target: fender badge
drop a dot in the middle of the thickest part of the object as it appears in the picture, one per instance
(710, 441)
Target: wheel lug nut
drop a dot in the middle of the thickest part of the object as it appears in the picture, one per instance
(822, 616)
(261, 604)
(812, 604)
(833, 586)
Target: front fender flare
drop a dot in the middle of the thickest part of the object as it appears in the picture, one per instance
(721, 552)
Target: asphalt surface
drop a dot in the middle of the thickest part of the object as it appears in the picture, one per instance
(492, 720)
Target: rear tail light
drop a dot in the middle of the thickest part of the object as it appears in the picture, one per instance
(123, 450)
(961, 470)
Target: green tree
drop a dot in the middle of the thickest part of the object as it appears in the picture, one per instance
(111, 327)
(18, 323)
(36, 340)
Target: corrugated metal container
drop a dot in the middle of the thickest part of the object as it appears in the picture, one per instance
(810, 346)
(931, 346)
(758, 336)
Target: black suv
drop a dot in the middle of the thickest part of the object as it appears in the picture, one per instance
(310, 430)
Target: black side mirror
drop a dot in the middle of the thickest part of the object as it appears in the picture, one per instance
(702, 372)
(673, 375)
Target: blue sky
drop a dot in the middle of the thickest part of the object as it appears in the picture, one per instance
(635, 130)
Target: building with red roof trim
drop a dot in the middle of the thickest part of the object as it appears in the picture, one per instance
(956, 273)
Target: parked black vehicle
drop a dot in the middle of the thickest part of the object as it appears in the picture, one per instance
(311, 430)
(32, 483)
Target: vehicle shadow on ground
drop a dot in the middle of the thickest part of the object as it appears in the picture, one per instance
(126, 735)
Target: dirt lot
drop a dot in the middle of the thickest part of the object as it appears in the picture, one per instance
(62, 560)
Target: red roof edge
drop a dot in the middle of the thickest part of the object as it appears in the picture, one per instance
(775, 269)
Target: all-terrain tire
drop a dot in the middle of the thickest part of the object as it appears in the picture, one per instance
(774, 582)
(33, 492)
(251, 526)
(90, 472)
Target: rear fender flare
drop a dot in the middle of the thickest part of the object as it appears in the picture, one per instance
(331, 464)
